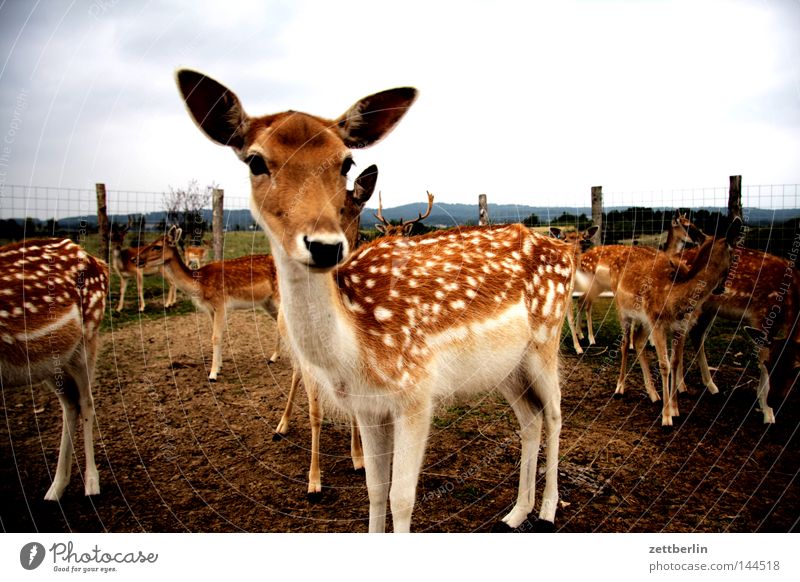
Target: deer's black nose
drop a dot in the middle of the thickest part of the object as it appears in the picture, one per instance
(325, 255)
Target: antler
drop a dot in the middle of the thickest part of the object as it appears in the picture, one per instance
(427, 212)
(379, 215)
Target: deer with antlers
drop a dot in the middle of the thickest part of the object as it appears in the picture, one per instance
(387, 331)
(406, 226)
(124, 262)
(666, 299)
(52, 299)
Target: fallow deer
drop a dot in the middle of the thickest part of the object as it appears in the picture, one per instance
(125, 265)
(761, 291)
(400, 323)
(218, 287)
(406, 226)
(52, 299)
(666, 299)
(195, 255)
(580, 243)
(593, 277)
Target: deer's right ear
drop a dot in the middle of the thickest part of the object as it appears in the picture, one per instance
(372, 118)
(214, 108)
(555, 232)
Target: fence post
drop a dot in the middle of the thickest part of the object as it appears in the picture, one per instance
(483, 210)
(102, 221)
(597, 213)
(217, 195)
(735, 197)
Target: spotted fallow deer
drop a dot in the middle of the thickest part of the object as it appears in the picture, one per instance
(218, 287)
(406, 226)
(124, 262)
(402, 322)
(580, 243)
(593, 277)
(761, 291)
(195, 255)
(52, 299)
(666, 299)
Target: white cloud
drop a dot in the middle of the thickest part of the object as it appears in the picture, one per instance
(528, 102)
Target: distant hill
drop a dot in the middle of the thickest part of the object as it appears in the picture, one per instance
(443, 214)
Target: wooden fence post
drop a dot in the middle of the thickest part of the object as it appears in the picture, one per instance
(217, 225)
(735, 197)
(102, 221)
(597, 213)
(483, 210)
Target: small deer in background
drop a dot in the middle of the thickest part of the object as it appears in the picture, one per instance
(52, 299)
(218, 287)
(666, 299)
(762, 292)
(593, 277)
(580, 243)
(125, 265)
(196, 255)
(406, 226)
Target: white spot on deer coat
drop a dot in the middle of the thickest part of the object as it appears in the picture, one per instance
(382, 314)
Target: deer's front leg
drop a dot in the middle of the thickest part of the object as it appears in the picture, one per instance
(377, 439)
(410, 438)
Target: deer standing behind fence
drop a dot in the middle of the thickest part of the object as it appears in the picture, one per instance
(580, 243)
(218, 287)
(762, 292)
(52, 299)
(665, 298)
(593, 277)
(126, 266)
(389, 330)
(406, 226)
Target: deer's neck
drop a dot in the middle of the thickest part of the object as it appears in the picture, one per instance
(318, 326)
(184, 278)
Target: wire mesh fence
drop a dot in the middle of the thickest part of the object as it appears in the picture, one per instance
(771, 213)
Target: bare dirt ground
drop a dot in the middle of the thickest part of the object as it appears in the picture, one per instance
(178, 454)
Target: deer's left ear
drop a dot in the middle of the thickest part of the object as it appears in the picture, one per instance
(591, 231)
(372, 118)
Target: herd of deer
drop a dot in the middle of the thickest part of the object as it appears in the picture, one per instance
(386, 329)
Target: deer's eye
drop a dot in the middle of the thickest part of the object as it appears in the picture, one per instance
(258, 166)
(347, 163)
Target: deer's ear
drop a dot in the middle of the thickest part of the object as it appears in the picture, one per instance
(364, 185)
(214, 108)
(555, 232)
(380, 228)
(372, 118)
(407, 228)
(591, 231)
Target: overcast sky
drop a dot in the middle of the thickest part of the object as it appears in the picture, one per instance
(530, 102)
